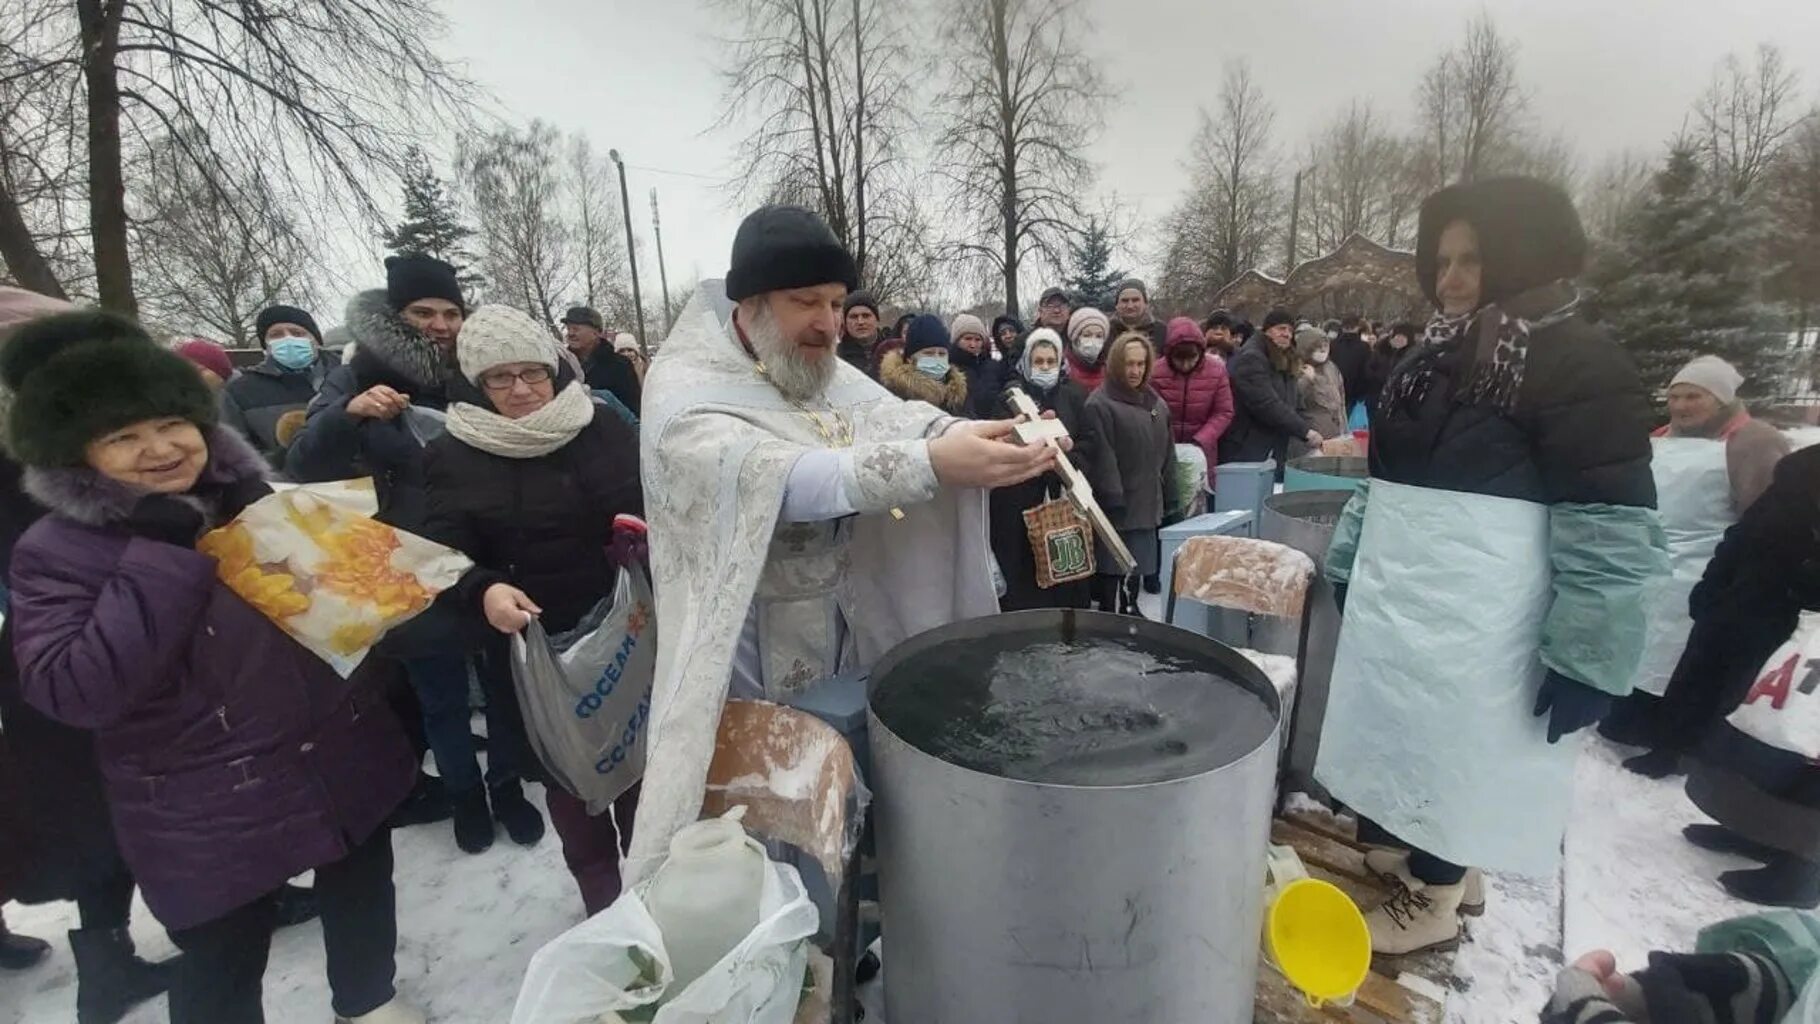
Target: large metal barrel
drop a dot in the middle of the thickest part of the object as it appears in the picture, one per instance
(1304, 520)
(1325, 473)
(1010, 901)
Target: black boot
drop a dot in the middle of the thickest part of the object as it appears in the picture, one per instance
(1153, 584)
(110, 977)
(1106, 594)
(473, 821)
(1128, 598)
(427, 803)
(17, 952)
(511, 809)
(1720, 839)
(1786, 881)
(1657, 764)
(296, 904)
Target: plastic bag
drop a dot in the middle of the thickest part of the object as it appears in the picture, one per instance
(1188, 481)
(316, 562)
(586, 695)
(1783, 706)
(612, 968)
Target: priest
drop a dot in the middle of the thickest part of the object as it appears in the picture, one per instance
(803, 520)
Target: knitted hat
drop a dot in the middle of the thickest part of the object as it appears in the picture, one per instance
(1084, 316)
(967, 323)
(625, 341)
(499, 334)
(1713, 374)
(271, 316)
(925, 332)
(409, 278)
(584, 315)
(208, 355)
(78, 376)
(1132, 282)
(780, 247)
(857, 299)
(1278, 317)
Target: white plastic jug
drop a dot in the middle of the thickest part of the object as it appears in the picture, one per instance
(705, 896)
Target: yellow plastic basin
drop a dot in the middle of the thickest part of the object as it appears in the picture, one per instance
(1317, 937)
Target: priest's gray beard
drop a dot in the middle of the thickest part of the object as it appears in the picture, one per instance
(797, 376)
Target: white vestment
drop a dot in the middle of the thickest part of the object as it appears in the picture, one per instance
(717, 446)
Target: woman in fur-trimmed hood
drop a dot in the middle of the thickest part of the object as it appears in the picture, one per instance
(922, 371)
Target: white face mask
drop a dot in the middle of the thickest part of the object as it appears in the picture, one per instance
(1090, 348)
(932, 366)
(1319, 356)
(1046, 379)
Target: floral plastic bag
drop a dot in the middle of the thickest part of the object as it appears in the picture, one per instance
(317, 563)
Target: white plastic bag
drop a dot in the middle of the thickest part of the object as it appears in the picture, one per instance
(586, 695)
(612, 968)
(1783, 706)
(1187, 484)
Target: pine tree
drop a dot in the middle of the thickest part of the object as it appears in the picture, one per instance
(1683, 280)
(1093, 279)
(432, 225)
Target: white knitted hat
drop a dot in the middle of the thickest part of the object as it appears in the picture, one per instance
(496, 335)
(1714, 374)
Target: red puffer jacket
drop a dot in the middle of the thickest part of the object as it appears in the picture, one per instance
(1200, 401)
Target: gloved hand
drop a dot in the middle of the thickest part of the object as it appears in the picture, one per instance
(167, 519)
(1570, 705)
(1339, 597)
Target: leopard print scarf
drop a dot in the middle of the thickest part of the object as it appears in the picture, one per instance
(1502, 355)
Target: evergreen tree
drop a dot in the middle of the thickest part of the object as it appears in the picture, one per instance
(432, 225)
(1683, 280)
(1092, 279)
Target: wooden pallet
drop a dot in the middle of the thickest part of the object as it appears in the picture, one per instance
(1330, 852)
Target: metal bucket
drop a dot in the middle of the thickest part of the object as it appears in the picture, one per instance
(1305, 521)
(1326, 473)
(1010, 901)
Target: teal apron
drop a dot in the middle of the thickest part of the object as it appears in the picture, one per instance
(1694, 498)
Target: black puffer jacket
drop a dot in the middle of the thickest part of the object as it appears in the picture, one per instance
(1010, 536)
(1263, 407)
(258, 398)
(541, 524)
(985, 381)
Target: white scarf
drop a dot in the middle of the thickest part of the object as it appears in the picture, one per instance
(527, 437)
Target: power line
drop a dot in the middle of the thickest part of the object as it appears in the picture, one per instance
(678, 174)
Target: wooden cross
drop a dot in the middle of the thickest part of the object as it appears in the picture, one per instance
(1036, 430)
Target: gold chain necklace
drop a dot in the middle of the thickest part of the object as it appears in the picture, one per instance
(840, 435)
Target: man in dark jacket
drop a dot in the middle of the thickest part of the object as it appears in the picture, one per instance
(1264, 416)
(266, 403)
(1132, 310)
(1053, 311)
(859, 330)
(1352, 357)
(606, 369)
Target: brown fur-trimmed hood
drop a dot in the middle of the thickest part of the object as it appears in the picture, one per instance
(902, 378)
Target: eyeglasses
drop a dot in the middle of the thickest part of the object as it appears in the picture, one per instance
(502, 380)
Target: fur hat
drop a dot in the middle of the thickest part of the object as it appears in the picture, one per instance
(1712, 374)
(271, 316)
(1310, 338)
(926, 332)
(780, 247)
(409, 278)
(1529, 235)
(77, 376)
(499, 334)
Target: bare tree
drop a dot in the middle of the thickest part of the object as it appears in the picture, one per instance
(1745, 115)
(341, 86)
(1359, 183)
(517, 192)
(1471, 107)
(600, 227)
(1019, 113)
(211, 259)
(1232, 213)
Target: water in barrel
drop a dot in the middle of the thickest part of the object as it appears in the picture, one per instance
(1077, 711)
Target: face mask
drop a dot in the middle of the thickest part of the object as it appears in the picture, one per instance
(1089, 348)
(1046, 379)
(932, 366)
(293, 353)
(1318, 357)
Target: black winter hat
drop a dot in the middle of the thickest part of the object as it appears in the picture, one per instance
(409, 278)
(1278, 316)
(77, 376)
(780, 247)
(857, 299)
(272, 315)
(925, 332)
(1529, 234)
(584, 315)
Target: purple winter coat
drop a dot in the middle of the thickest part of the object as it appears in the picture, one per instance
(233, 758)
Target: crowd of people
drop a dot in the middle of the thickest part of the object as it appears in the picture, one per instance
(819, 487)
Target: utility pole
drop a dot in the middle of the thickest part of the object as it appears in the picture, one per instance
(1295, 219)
(663, 277)
(859, 134)
(625, 205)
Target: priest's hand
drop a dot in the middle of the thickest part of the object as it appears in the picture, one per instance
(508, 609)
(985, 453)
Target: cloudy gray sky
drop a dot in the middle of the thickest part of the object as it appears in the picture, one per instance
(640, 75)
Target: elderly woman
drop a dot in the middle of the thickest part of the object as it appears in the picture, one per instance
(626, 344)
(233, 758)
(923, 370)
(1087, 336)
(526, 482)
(1320, 389)
(1511, 449)
(1130, 457)
(1040, 375)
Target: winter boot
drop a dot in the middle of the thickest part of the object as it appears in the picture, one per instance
(1786, 881)
(426, 804)
(473, 821)
(1392, 865)
(1153, 584)
(511, 809)
(395, 1012)
(111, 979)
(296, 904)
(1659, 763)
(1128, 598)
(1720, 839)
(1413, 920)
(17, 952)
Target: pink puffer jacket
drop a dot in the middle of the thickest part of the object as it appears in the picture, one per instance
(1200, 401)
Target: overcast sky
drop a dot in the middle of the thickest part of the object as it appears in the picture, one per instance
(640, 75)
